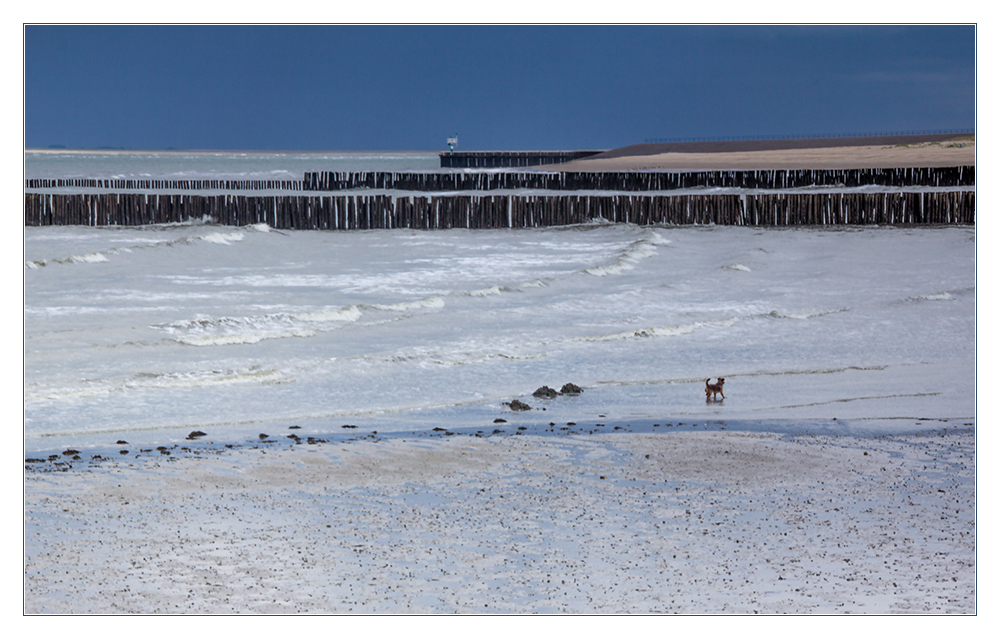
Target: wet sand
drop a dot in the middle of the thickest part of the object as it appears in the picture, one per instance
(670, 522)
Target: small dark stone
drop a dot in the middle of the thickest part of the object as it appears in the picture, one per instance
(121, 441)
(437, 428)
(522, 428)
(53, 457)
(497, 431)
(570, 389)
(518, 405)
(348, 426)
(161, 448)
(262, 436)
(498, 420)
(293, 427)
(123, 452)
(71, 451)
(195, 434)
(545, 393)
(571, 423)
(32, 460)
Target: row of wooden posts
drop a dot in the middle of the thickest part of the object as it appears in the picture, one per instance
(495, 159)
(958, 176)
(350, 212)
(160, 184)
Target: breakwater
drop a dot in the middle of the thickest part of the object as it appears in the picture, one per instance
(499, 159)
(155, 185)
(941, 177)
(956, 176)
(359, 212)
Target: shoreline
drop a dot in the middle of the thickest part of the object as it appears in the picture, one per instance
(691, 522)
(201, 445)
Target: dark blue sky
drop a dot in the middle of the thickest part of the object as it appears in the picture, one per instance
(498, 87)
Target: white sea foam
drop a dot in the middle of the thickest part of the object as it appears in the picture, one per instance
(222, 238)
(428, 302)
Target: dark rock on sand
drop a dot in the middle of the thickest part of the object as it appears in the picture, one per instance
(71, 451)
(121, 442)
(32, 460)
(570, 389)
(499, 420)
(123, 452)
(545, 393)
(262, 436)
(348, 426)
(518, 405)
(293, 427)
(195, 434)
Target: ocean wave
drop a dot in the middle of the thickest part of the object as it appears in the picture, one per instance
(224, 331)
(664, 331)
(806, 315)
(152, 381)
(944, 295)
(631, 255)
(218, 237)
(427, 302)
(222, 238)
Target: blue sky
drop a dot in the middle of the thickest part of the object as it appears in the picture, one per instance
(498, 87)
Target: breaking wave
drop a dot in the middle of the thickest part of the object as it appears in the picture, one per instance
(224, 331)
(218, 237)
(152, 381)
(632, 255)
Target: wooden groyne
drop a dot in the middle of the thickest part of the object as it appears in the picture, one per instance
(501, 159)
(357, 212)
(634, 181)
(156, 185)
(957, 176)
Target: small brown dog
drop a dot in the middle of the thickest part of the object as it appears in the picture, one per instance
(711, 390)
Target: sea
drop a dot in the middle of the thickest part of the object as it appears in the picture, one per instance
(146, 334)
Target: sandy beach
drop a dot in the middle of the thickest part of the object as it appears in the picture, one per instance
(666, 522)
(957, 152)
